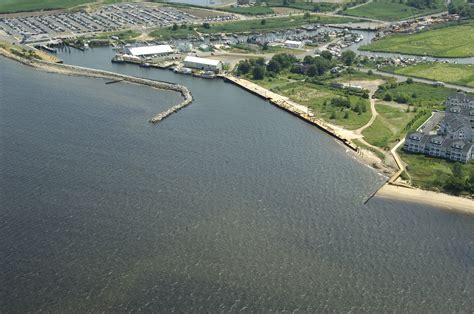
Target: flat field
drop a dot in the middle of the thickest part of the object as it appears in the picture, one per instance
(255, 10)
(318, 98)
(461, 74)
(388, 11)
(450, 41)
(11, 6)
(390, 124)
(437, 174)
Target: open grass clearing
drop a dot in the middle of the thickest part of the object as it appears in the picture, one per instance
(432, 173)
(450, 41)
(389, 11)
(318, 98)
(389, 126)
(461, 74)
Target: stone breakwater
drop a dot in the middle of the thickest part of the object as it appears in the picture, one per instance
(82, 71)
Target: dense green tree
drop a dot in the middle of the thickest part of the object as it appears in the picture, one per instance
(312, 71)
(243, 67)
(258, 72)
(348, 57)
(326, 54)
(274, 66)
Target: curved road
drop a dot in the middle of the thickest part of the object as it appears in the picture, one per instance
(401, 78)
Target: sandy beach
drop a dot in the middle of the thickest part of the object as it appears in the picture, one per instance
(439, 200)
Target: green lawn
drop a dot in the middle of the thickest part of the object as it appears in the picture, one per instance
(393, 122)
(318, 98)
(168, 33)
(254, 10)
(387, 10)
(460, 74)
(433, 173)
(420, 94)
(390, 124)
(128, 35)
(9, 6)
(451, 41)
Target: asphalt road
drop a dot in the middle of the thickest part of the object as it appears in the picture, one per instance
(401, 78)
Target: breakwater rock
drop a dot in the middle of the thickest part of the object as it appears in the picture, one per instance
(88, 72)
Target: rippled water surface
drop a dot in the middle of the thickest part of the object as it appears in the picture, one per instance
(230, 204)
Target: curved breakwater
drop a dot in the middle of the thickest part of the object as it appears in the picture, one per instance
(83, 71)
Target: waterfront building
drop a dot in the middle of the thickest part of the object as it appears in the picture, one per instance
(202, 64)
(454, 138)
(150, 51)
(460, 99)
(294, 44)
(439, 146)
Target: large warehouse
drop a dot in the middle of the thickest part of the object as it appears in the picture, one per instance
(202, 64)
(149, 51)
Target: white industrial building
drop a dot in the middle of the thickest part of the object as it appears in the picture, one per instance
(202, 64)
(294, 44)
(149, 51)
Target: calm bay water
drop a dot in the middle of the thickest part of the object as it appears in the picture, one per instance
(229, 205)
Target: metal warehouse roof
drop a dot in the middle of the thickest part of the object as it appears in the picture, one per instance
(201, 60)
(150, 50)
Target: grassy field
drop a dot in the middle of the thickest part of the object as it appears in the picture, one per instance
(433, 173)
(460, 74)
(9, 6)
(168, 33)
(254, 10)
(12, 6)
(390, 125)
(387, 10)
(394, 122)
(128, 35)
(318, 98)
(451, 41)
(419, 94)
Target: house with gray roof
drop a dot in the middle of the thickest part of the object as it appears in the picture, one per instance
(460, 99)
(454, 138)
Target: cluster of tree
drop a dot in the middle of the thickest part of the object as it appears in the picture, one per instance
(421, 4)
(313, 66)
(310, 66)
(465, 10)
(461, 181)
(254, 66)
(175, 27)
(258, 69)
(344, 103)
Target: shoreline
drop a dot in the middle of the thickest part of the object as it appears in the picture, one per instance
(390, 190)
(438, 200)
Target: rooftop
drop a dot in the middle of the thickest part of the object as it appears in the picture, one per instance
(150, 50)
(202, 60)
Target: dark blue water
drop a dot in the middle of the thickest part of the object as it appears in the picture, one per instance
(229, 205)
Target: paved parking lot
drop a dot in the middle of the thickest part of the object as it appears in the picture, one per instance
(106, 19)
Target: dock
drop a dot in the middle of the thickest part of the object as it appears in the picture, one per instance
(290, 106)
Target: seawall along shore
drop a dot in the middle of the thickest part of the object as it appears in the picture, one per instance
(289, 106)
(88, 72)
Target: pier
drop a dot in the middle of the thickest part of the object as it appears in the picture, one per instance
(292, 107)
